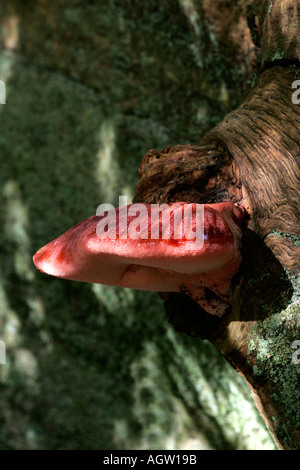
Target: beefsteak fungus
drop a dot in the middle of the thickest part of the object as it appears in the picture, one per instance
(203, 270)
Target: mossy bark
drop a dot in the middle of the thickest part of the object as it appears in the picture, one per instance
(280, 30)
(85, 78)
(257, 337)
(251, 157)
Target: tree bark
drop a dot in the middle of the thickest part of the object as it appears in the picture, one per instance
(251, 157)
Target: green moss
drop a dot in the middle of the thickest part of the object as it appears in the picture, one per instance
(257, 371)
(270, 346)
(252, 80)
(295, 69)
(291, 237)
(270, 8)
(278, 55)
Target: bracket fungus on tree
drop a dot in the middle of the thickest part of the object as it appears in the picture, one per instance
(128, 247)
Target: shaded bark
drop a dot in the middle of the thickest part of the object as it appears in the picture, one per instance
(251, 157)
(280, 30)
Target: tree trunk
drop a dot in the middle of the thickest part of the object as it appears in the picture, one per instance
(251, 157)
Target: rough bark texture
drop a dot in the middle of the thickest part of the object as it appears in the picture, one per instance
(258, 334)
(251, 157)
(280, 30)
(263, 135)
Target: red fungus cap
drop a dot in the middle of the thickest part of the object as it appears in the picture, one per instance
(138, 251)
